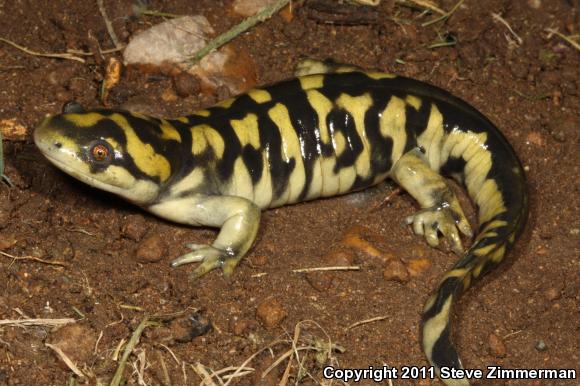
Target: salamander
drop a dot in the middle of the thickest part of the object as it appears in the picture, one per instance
(329, 131)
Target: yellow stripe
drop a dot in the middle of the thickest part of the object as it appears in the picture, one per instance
(260, 96)
(290, 150)
(84, 119)
(143, 154)
(247, 130)
(310, 82)
(414, 101)
(357, 107)
(169, 132)
(203, 136)
(392, 125)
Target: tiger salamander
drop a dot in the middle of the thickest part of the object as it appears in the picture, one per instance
(324, 133)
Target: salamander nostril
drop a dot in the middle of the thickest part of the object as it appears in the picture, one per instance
(58, 145)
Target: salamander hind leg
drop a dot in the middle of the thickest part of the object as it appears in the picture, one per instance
(441, 212)
(238, 218)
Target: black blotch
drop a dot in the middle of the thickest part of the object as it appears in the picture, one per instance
(340, 121)
(444, 354)
(252, 158)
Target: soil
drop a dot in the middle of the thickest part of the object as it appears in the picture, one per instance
(105, 263)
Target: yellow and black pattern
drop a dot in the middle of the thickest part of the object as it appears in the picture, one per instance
(317, 135)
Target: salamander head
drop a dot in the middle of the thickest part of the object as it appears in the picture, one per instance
(101, 149)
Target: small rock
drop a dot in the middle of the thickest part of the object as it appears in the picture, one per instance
(7, 241)
(258, 260)
(395, 270)
(535, 138)
(535, 4)
(250, 7)
(270, 313)
(152, 249)
(339, 258)
(541, 346)
(553, 294)
(185, 329)
(13, 130)
(63, 96)
(320, 281)
(186, 84)
(168, 95)
(134, 227)
(496, 346)
(241, 326)
(77, 341)
(417, 266)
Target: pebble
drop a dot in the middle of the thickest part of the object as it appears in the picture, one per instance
(541, 346)
(395, 270)
(77, 341)
(241, 326)
(320, 281)
(258, 260)
(186, 84)
(553, 294)
(496, 346)
(559, 127)
(7, 241)
(270, 313)
(250, 7)
(134, 227)
(339, 258)
(417, 266)
(151, 249)
(536, 138)
(185, 329)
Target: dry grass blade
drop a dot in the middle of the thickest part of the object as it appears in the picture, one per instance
(318, 269)
(69, 363)
(445, 16)
(569, 39)
(108, 24)
(424, 4)
(248, 23)
(497, 17)
(42, 54)
(37, 322)
(206, 379)
(133, 342)
(366, 321)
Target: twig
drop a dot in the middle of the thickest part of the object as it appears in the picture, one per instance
(424, 4)
(66, 360)
(248, 23)
(316, 269)
(497, 17)
(36, 322)
(80, 230)
(446, 16)
(108, 24)
(43, 54)
(59, 263)
(203, 374)
(568, 39)
(366, 321)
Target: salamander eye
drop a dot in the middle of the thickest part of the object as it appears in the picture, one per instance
(101, 152)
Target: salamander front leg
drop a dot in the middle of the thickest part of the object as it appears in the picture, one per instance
(238, 218)
(441, 210)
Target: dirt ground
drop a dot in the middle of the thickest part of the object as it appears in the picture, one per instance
(104, 263)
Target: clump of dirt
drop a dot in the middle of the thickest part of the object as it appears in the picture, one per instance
(69, 251)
